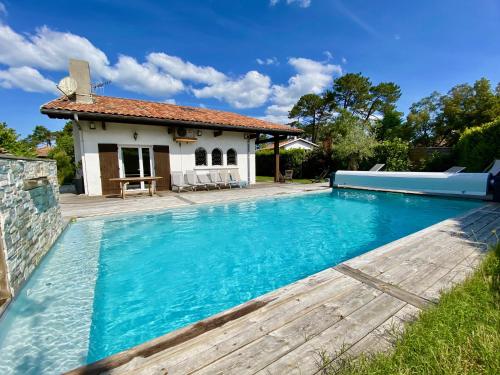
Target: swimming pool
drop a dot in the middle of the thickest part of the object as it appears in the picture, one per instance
(112, 283)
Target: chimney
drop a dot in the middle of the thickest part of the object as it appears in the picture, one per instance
(79, 70)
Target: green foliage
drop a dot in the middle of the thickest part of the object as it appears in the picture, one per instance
(310, 109)
(460, 335)
(9, 140)
(289, 159)
(436, 162)
(65, 165)
(351, 142)
(40, 135)
(478, 146)
(391, 126)
(393, 153)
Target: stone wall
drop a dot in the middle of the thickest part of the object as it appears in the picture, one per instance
(30, 217)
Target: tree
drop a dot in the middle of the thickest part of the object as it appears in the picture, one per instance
(350, 92)
(10, 142)
(422, 119)
(382, 99)
(391, 126)
(41, 135)
(311, 109)
(351, 141)
(64, 154)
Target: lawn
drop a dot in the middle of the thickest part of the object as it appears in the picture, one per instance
(461, 335)
(271, 179)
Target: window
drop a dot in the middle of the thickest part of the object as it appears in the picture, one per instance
(200, 156)
(216, 157)
(231, 157)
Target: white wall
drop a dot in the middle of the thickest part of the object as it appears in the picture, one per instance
(181, 155)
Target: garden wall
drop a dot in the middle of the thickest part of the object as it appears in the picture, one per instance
(30, 217)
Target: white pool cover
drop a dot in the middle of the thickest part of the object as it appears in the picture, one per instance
(466, 184)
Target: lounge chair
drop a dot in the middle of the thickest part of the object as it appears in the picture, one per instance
(494, 168)
(179, 183)
(234, 178)
(226, 179)
(376, 167)
(321, 176)
(454, 169)
(193, 181)
(203, 178)
(288, 175)
(216, 178)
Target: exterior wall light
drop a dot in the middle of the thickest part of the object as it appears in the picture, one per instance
(92, 125)
(135, 136)
(199, 133)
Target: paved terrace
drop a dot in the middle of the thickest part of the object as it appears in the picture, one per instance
(79, 206)
(351, 308)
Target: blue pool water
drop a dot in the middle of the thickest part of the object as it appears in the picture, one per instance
(112, 283)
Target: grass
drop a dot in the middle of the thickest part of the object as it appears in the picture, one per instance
(461, 335)
(271, 179)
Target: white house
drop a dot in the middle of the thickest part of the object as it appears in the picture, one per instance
(116, 137)
(294, 143)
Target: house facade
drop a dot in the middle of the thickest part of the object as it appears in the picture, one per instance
(294, 143)
(116, 137)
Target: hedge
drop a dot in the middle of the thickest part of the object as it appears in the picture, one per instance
(479, 146)
(305, 164)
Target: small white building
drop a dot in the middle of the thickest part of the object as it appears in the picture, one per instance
(294, 143)
(116, 137)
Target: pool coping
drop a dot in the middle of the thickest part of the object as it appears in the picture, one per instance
(201, 327)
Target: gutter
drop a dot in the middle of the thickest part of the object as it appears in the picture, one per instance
(65, 114)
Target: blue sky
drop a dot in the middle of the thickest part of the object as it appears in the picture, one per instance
(253, 57)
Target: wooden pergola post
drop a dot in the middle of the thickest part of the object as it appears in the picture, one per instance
(276, 159)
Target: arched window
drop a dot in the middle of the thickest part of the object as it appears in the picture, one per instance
(216, 156)
(231, 157)
(200, 156)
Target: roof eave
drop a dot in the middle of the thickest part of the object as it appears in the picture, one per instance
(67, 114)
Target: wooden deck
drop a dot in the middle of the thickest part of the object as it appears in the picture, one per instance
(351, 308)
(79, 206)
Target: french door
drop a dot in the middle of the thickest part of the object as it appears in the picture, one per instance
(136, 162)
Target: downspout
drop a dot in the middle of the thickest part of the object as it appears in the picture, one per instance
(248, 160)
(82, 149)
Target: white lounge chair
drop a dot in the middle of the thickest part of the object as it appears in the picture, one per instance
(203, 178)
(234, 178)
(495, 168)
(226, 179)
(193, 181)
(454, 169)
(216, 178)
(179, 183)
(377, 167)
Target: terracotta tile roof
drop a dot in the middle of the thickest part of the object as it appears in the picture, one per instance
(43, 152)
(108, 107)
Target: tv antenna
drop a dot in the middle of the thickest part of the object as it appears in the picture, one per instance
(99, 85)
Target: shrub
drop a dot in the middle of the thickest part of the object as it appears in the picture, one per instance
(65, 166)
(289, 159)
(479, 145)
(393, 153)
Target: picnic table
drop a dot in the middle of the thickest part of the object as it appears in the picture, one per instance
(124, 181)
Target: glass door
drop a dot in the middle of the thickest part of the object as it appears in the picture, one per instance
(136, 162)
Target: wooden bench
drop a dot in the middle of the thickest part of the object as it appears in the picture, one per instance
(124, 181)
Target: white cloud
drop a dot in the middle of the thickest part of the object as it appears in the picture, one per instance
(312, 77)
(27, 79)
(397, 37)
(143, 78)
(181, 69)
(249, 91)
(3, 9)
(300, 3)
(268, 61)
(169, 101)
(328, 55)
(344, 60)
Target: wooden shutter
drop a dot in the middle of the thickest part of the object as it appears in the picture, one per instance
(162, 167)
(108, 160)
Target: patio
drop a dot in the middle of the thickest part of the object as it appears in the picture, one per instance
(80, 206)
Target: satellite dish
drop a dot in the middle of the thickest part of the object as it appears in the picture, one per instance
(67, 86)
